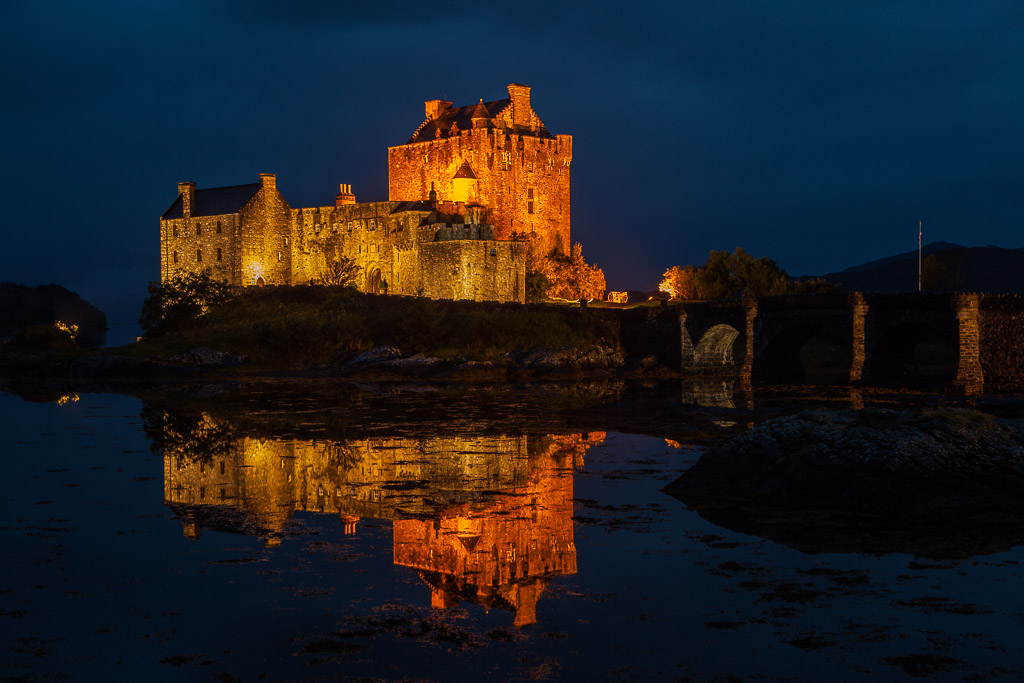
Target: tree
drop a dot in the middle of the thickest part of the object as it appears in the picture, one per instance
(341, 271)
(183, 298)
(571, 277)
(537, 286)
(733, 275)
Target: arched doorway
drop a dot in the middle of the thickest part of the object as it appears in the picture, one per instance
(259, 281)
(373, 281)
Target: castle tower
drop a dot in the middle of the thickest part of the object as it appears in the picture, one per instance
(521, 172)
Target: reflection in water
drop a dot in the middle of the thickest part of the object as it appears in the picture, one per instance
(483, 519)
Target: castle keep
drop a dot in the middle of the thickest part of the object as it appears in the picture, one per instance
(466, 186)
(498, 154)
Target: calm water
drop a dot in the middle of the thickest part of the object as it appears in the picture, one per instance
(307, 538)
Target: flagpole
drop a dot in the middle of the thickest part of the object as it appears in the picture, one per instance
(919, 232)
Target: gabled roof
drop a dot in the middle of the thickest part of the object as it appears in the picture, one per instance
(215, 201)
(465, 171)
(460, 115)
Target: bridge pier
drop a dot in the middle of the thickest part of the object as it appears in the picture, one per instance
(968, 368)
(860, 315)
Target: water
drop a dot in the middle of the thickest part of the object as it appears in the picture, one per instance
(436, 535)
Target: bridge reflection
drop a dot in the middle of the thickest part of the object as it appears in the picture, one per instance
(485, 519)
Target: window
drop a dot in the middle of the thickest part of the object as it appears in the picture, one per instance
(174, 230)
(220, 254)
(373, 225)
(202, 493)
(529, 167)
(278, 257)
(529, 193)
(529, 207)
(350, 226)
(199, 255)
(218, 227)
(175, 257)
(506, 159)
(222, 467)
(199, 229)
(286, 241)
(335, 226)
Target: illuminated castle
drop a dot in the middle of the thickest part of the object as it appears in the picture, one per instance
(468, 181)
(498, 154)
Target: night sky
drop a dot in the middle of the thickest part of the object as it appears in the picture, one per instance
(815, 133)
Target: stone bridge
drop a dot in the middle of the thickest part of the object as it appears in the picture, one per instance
(973, 340)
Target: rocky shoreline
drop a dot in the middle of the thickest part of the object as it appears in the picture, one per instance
(873, 480)
(379, 363)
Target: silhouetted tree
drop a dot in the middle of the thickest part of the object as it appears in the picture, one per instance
(183, 298)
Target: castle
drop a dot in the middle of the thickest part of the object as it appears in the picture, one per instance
(469, 183)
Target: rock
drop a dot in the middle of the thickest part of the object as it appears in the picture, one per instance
(207, 357)
(868, 481)
(573, 358)
(376, 355)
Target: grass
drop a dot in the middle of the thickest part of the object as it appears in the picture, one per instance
(295, 326)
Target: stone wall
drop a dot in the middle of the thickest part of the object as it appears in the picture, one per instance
(193, 244)
(1000, 335)
(478, 270)
(265, 251)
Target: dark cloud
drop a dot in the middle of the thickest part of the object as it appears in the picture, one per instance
(816, 133)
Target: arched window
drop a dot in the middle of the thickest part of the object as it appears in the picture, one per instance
(220, 255)
(218, 227)
(199, 229)
(175, 257)
(199, 255)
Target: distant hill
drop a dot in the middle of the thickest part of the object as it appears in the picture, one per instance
(947, 267)
(21, 306)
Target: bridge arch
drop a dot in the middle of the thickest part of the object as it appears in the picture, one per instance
(914, 351)
(806, 353)
(720, 345)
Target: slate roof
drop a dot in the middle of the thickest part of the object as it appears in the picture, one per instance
(215, 201)
(460, 115)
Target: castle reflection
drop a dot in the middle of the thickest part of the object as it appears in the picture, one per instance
(483, 519)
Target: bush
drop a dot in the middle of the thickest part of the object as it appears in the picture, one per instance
(55, 337)
(181, 299)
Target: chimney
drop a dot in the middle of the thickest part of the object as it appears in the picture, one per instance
(268, 181)
(435, 107)
(520, 96)
(188, 198)
(345, 196)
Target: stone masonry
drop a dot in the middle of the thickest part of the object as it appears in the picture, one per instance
(497, 154)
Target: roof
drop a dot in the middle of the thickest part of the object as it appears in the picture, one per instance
(465, 171)
(215, 201)
(460, 115)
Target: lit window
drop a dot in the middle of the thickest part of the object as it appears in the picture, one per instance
(199, 255)
(350, 226)
(286, 241)
(220, 254)
(279, 257)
